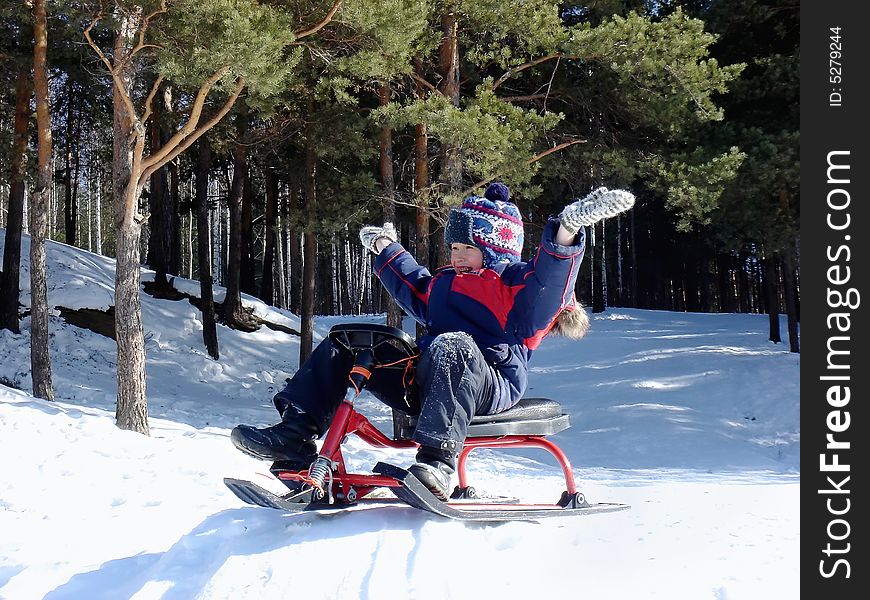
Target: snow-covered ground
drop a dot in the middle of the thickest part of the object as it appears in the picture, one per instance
(692, 419)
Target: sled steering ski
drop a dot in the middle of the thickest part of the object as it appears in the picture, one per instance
(326, 484)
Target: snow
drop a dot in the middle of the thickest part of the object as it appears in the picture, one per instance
(692, 419)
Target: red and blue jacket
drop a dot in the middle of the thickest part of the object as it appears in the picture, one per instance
(507, 309)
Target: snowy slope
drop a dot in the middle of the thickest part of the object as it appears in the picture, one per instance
(692, 419)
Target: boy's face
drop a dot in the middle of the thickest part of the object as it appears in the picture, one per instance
(464, 258)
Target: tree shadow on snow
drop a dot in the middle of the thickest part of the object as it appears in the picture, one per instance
(185, 569)
(7, 573)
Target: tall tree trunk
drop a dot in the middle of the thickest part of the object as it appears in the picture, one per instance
(234, 314)
(451, 159)
(10, 288)
(421, 182)
(394, 313)
(98, 214)
(77, 167)
(295, 257)
(633, 278)
(742, 284)
(267, 287)
(220, 243)
(248, 280)
(89, 216)
(40, 361)
(790, 281)
(599, 290)
(725, 283)
(69, 208)
(705, 293)
(620, 289)
(53, 204)
(130, 169)
(160, 216)
(280, 271)
(663, 298)
(188, 240)
(789, 284)
(174, 222)
(203, 248)
(591, 251)
(771, 296)
(757, 281)
(605, 292)
(324, 298)
(132, 409)
(343, 277)
(448, 68)
(309, 255)
(692, 277)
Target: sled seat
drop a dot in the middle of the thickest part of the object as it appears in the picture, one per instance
(529, 416)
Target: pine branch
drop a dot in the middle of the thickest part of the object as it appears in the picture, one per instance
(152, 165)
(190, 125)
(425, 83)
(114, 71)
(91, 43)
(511, 72)
(335, 6)
(150, 99)
(141, 45)
(528, 98)
(530, 161)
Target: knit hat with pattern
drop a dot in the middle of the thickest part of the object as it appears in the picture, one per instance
(491, 223)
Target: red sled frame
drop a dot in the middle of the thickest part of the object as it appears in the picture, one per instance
(329, 472)
(349, 487)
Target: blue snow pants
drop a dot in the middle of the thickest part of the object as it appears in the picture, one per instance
(452, 383)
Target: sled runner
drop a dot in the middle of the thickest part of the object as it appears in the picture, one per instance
(327, 486)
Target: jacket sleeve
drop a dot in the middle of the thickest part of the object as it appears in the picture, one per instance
(547, 285)
(405, 280)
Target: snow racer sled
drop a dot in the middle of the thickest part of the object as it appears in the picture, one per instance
(326, 484)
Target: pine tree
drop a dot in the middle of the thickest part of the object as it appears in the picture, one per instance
(760, 206)
(220, 45)
(40, 361)
(17, 69)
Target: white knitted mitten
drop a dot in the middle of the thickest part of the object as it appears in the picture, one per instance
(369, 234)
(599, 204)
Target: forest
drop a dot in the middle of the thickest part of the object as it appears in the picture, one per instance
(243, 143)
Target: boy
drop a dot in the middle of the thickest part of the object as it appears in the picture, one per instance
(485, 314)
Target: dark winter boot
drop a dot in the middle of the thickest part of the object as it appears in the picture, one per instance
(291, 440)
(433, 468)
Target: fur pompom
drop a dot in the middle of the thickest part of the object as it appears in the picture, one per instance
(572, 322)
